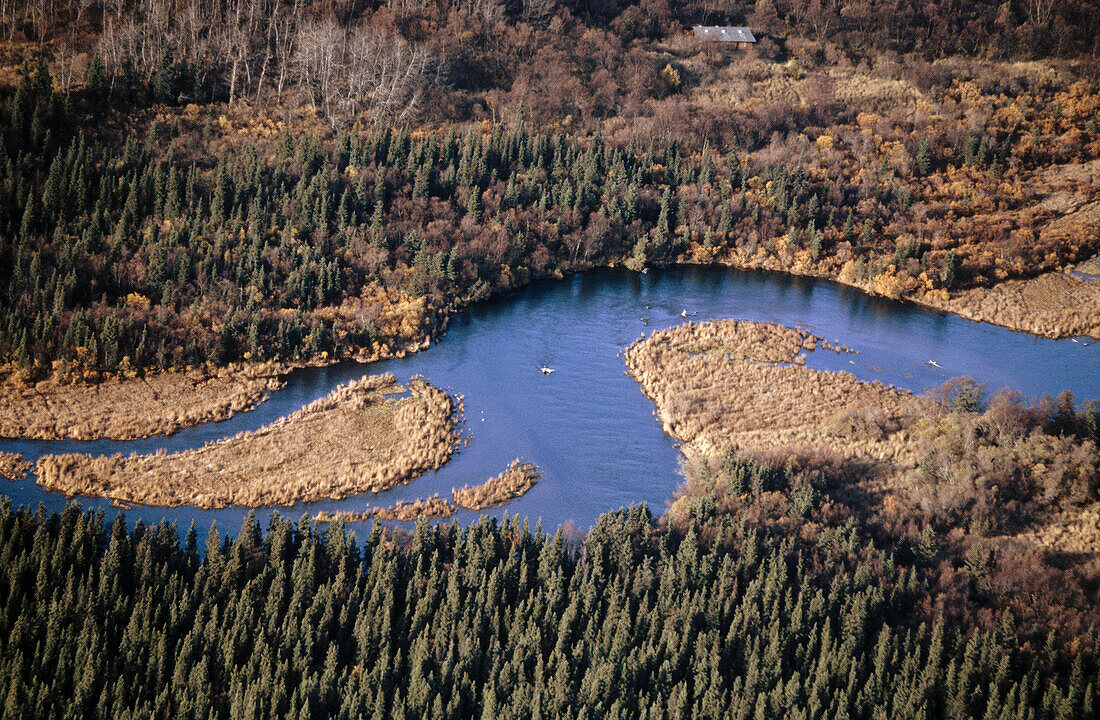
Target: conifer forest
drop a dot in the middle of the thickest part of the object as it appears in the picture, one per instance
(202, 202)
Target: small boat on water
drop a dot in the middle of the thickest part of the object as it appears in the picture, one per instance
(547, 370)
(933, 363)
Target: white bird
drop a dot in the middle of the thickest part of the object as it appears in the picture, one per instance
(547, 370)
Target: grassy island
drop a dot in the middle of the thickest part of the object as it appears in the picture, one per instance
(13, 466)
(127, 409)
(357, 439)
(514, 482)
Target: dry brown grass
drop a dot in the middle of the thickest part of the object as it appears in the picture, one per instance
(403, 511)
(345, 516)
(711, 393)
(13, 466)
(433, 507)
(509, 485)
(1089, 267)
(747, 82)
(1052, 305)
(354, 440)
(712, 385)
(1069, 532)
(129, 409)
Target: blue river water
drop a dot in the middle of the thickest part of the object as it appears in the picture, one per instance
(587, 426)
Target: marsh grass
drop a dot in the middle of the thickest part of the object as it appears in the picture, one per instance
(1053, 305)
(128, 409)
(356, 439)
(13, 466)
(344, 516)
(514, 482)
(750, 393)
(950, 458)
(402, 511)
(419, 509)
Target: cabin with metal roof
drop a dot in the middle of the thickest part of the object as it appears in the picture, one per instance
(740, 37)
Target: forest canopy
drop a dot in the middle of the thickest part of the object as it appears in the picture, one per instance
(636, 620)
(200, 241)
(348, 56)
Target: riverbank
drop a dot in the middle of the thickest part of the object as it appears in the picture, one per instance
(129, 409)
(1057, 305)
(359, 438)
(1054, 305)
(953, 457)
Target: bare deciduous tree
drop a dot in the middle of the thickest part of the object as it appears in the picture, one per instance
(8, 15)
(386, 74)
(1039, 12)
(317, 60)
(408, 5)
(490, 11)
(65, 56)
(284, 32)
(538, 12)
(347, 71)
(240, 39)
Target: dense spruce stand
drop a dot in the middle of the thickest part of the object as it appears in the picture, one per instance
(635, 620)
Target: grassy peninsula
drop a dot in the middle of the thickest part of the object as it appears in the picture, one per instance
(357, 439)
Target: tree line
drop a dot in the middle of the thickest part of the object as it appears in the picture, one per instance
(150, 252)
(714, 616)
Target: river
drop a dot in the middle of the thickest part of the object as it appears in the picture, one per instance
(587, 425)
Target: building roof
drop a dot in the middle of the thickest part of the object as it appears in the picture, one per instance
(717, 33)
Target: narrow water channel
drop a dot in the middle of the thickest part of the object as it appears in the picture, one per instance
(587, 426)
